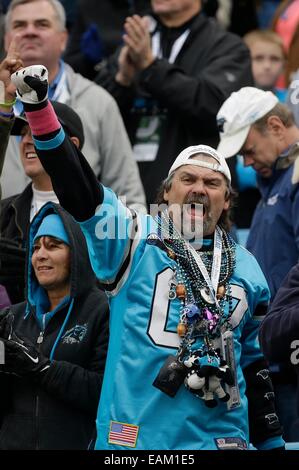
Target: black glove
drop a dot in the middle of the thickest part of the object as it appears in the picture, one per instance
(3, 313)
(39, 86)
(6, 322)
(12, 269)
(23, 358)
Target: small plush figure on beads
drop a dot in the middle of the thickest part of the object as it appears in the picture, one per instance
(206, 377)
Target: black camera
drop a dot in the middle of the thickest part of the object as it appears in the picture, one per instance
(171, 376)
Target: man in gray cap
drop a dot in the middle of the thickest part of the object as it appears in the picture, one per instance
(17, 211)
(254, 124)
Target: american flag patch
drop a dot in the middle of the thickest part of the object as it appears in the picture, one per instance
(123, 434)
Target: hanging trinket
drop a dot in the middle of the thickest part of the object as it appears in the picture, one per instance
(211, 317)
(203, 313)
(192, 312)
(171, 254)
(181, 329)
(172, 287)
(172, 293)
(206, 295)
(220, 292)
(181, 291)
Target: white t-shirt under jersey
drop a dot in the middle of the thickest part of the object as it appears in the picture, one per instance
(39, 199)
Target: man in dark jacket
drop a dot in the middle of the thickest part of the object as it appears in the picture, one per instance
(279, 332)
(169, 79)
(55, 342)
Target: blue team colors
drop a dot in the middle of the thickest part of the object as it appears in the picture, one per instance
(132, 412)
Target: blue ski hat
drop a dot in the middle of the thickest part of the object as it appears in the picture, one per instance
(52, 226)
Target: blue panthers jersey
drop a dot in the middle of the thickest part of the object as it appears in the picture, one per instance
(132, 412)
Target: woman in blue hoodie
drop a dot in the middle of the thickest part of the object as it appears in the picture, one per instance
(55, 342)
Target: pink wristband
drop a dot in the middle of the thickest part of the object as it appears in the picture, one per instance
(43, 121)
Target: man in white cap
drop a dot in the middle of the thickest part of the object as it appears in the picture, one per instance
(184, 317)
(254, 124)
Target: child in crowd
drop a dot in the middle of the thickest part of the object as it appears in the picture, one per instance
(268, 60)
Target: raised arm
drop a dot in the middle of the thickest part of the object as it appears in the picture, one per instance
(74, 182)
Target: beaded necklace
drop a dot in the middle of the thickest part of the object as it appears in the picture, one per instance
(201, 283)
(200, 316)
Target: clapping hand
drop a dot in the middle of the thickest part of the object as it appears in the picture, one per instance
(138, 40)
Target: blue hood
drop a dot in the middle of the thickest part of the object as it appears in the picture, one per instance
(37, 297)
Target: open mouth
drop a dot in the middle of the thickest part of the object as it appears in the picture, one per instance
(196, 210)
(44, 268)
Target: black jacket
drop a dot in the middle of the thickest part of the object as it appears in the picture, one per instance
(14, 225)
(15, 216)
(211, 65)
(109, 17)
(279, 332)
(58, 411)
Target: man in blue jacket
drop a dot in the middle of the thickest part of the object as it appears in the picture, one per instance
(253, 123)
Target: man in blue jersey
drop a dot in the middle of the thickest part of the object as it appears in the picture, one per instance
(186, 301)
